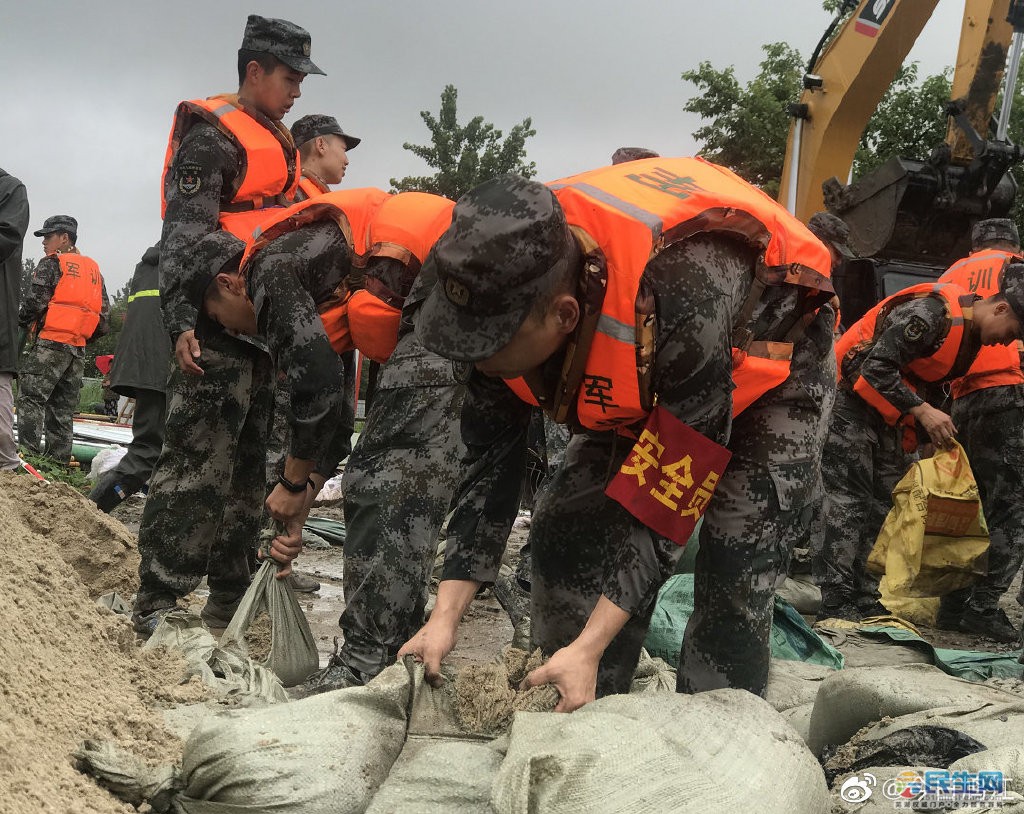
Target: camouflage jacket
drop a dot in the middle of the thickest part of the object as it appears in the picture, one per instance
(912, 330)
(698, 287)
(33, 308)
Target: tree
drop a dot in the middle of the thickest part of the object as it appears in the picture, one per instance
(749, 125)
(465, 156)
(909, 121)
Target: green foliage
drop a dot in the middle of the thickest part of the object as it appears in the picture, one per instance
(465, 156)
(53, 471)
(909, 121)
(748, 125)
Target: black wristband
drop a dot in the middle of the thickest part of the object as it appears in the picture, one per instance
(294, 488)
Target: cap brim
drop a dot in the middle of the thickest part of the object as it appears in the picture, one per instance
(43, 232)
(450, 332)
(845, 251)
(305, 66)
(351, 142)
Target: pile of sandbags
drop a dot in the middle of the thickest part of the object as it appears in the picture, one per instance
(371, 749)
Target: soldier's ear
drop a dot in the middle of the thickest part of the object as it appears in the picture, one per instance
(567, 313)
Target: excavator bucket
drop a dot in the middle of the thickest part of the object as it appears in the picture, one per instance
(909, 210)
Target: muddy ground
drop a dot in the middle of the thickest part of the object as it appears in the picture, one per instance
(484, 631)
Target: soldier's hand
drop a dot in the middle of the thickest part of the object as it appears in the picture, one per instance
(286, 547)
(186, 351)
(936, 423)
(434, 641)
(573, 671)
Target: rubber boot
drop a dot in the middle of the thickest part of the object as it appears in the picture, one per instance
(951, 608)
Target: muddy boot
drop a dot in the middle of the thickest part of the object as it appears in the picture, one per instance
(302, 583)
(951, 608)
(835, 605)
(511, 596)
(875, 608)
(219, 610)
(335, 676)
(147, 622)
(110, 490)
(993, 624)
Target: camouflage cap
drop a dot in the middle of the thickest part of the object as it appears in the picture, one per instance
(992, 230)
(624, 154)
(286, 41)
(508, 238)
(832, 230)
(58, 223)
(1011, 286)
(318, 124)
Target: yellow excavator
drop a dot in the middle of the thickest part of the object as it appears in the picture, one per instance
(911, 217)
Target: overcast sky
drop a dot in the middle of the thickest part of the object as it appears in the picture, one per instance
(91, 86)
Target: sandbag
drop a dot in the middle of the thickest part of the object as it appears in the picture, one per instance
(800, 719)
(226, 671)
(439, 776)
(853, 698)
(326, 754)
(293, 656)
(793, 683)
(801, 593)
(934, 539)
(714, 751)
(652, 675)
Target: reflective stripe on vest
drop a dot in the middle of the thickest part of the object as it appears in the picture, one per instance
(74, 309)
(149, 292)
(632, 211)
(269, 169)
(995, 365)
(863, 334)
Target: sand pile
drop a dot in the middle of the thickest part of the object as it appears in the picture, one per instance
(70, 670)
(103, 552)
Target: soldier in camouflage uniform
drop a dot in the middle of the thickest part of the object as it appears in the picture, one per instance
(51, 372)
(864, 457)
(202, 512)
(587, 549)
(990, 426)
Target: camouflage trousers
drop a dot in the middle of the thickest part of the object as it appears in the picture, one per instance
(762, 506)
(202, 515)
(994, 442)
(49, 383)
(398, 485)
(862, 461)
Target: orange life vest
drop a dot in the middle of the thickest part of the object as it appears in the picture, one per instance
(624, 215)
(935, 368)
(995, 365)
(269, 169)
(310, 188)
(403, 227)
(74, 309)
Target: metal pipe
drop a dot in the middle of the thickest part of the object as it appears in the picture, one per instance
(1010, 87)
(794, 167)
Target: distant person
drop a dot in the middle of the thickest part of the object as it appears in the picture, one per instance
(918, 339)
(66, 308)
(323, 149)
(988, 411)
(13, 225)
(624, 154)
(142, 361)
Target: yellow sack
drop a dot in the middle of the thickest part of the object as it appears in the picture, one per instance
(934, 539)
